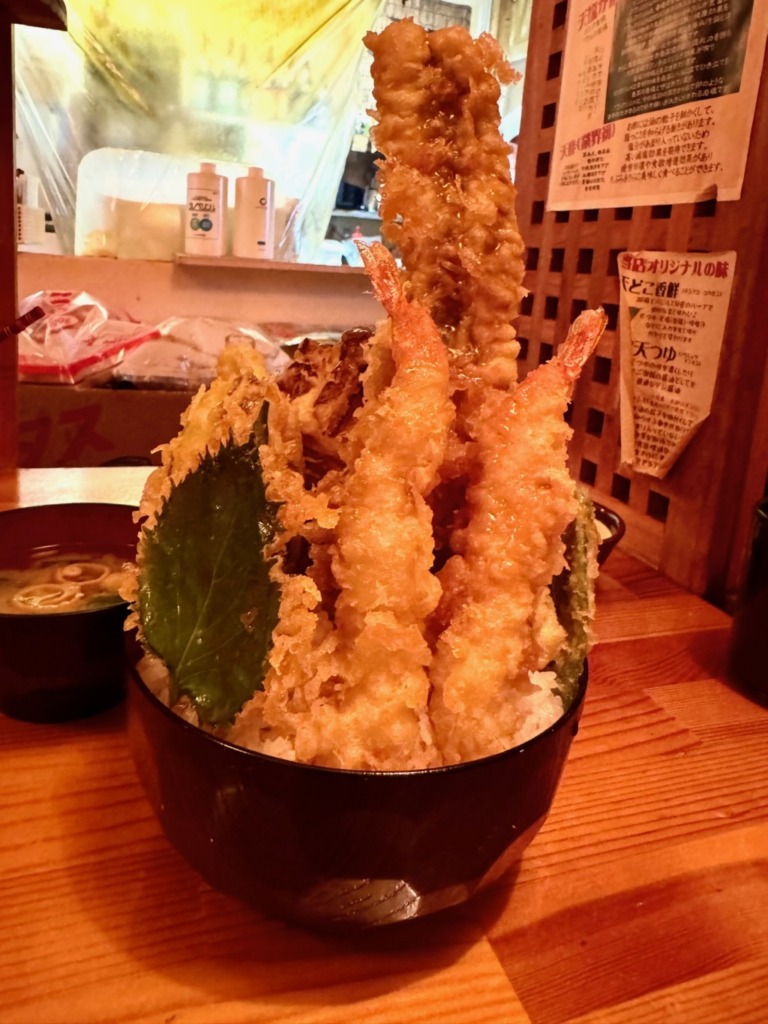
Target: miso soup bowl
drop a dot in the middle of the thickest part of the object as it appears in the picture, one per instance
(336, 849)
(59, 666)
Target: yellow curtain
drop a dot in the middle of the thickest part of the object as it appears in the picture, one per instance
(268, 82)
(281, 54)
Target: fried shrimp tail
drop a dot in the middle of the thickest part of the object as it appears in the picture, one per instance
(383, 273)
(499, 618)
(414, 335)
(580, 343)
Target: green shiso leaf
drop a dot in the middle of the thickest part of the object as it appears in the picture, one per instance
(206, 602)
(571, 592)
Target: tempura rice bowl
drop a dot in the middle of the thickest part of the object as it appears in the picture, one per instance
(334, 848)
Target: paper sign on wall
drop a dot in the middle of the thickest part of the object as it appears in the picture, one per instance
(656, 101)
(672, 321)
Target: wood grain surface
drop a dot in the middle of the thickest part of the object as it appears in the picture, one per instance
(644, 898)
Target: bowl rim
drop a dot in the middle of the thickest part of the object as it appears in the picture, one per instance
(37, 509)
(315, 769)
(43, 617)
(613, 519)
(33, 510)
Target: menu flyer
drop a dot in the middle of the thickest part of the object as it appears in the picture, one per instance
(672, 311)
(656, 102)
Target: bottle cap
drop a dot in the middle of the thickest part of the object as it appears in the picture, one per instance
(207, 168)
(256, 172)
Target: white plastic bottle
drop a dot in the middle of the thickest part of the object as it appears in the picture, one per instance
(205, 226)
(254, 232)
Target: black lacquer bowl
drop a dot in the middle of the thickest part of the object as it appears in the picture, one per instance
(330, 848)
(616, 527)
(63, 665)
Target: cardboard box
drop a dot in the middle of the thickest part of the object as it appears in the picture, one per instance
(71, 425)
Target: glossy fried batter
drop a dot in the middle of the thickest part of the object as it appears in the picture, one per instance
(421, 492)
(351, 688)
(448, 201)
(227, 407)
(498, 611)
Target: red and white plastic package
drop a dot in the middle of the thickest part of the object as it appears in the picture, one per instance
(77, 338)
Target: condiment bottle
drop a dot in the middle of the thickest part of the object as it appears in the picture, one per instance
(206, 216)
(254, 232)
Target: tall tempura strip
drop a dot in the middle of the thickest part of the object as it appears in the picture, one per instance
(448, 201)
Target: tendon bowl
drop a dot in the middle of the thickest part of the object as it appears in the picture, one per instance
(340, 849)
(62, 665)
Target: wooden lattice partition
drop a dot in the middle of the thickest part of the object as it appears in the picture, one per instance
(694, 524)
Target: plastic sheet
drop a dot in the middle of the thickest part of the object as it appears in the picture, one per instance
(272, 85)
(182, 352)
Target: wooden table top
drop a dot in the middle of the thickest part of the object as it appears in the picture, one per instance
(643, 899)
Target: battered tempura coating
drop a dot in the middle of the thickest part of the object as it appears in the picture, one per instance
(448, 201)
(377, 662)
(228, 407)
(415, 441)
(500, 619)
(353, 690)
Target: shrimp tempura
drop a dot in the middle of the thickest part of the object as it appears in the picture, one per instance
(501, 621)
(353, 691)
(384, 544)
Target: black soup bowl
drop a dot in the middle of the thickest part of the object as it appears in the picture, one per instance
(62, 665)
(614, 529)
(339, 849)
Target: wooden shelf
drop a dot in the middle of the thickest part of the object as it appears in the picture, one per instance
(240, 263)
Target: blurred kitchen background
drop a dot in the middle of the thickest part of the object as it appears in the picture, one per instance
(113, 114)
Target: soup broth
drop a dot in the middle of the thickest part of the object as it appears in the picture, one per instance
(62, 581)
